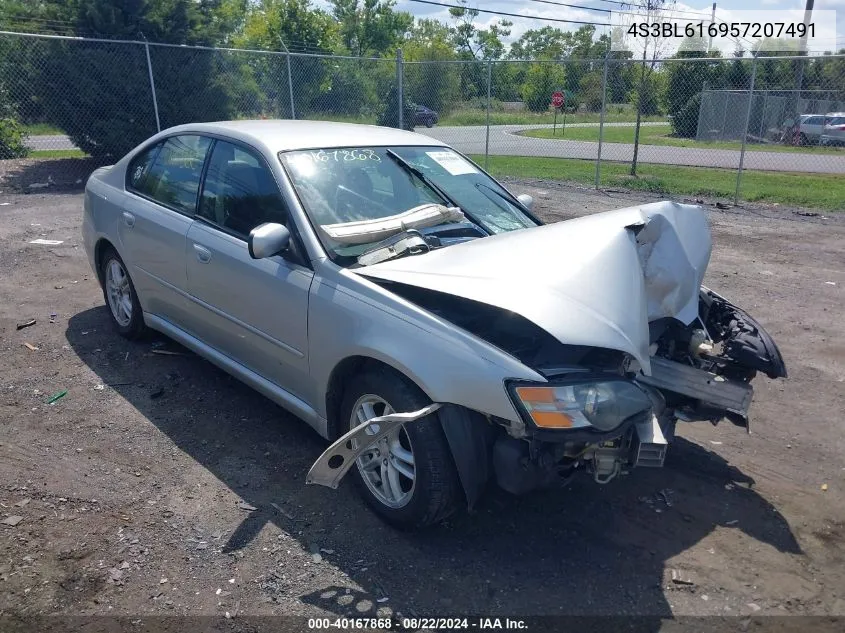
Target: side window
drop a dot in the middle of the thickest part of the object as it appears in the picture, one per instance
(239, 191)
(136, 174)
(815, 120)
(173, 179)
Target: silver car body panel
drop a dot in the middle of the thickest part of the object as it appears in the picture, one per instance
(284, 328)
(588, 281)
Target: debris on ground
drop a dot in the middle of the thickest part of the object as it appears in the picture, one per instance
(733, 522)
(664, 496)
(57, 396)
(830, 283)
(807, 214)
(722, 206)
(824, 487)
(44, 242)
(53, 316)
(679, 578)
(99, 387)
(27, 323)
(157, 393)
(30, 347)
(284, 513)
(167, 352)
(12, 520)
(243, 505)
(753, 606)
(22, 503)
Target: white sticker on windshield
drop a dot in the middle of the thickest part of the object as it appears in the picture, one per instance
(454, 163)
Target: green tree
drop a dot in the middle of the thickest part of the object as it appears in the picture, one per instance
(99, 93)
(12, 135)
(542, 79)
(370, 27)
(685, 80)
(275, 25)
(436, 85)
(590, 90)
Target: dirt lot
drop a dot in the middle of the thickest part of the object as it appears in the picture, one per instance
(128, 486)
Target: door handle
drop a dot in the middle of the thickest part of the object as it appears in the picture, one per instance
(128, 219)
(203, 254)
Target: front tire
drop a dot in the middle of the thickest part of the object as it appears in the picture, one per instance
(409, 479)
(429, 122)
(121, 298)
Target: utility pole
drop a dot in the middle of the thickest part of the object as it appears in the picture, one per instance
(712, 22)
(799, 72)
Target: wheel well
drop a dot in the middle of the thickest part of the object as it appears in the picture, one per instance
(340, 375)
(100, 249)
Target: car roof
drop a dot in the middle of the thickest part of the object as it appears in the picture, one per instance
(279, 135)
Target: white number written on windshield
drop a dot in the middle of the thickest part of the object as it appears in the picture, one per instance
(345, 155)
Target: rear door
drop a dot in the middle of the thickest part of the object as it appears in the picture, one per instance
(253, 310)
(162, 185)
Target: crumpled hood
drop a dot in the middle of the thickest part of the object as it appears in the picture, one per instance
(596, 280)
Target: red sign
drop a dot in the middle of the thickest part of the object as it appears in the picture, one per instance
(558, 99)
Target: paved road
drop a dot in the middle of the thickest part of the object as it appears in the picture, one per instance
(51, 141)
(504, 141)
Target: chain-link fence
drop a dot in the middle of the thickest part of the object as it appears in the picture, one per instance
(674, 126)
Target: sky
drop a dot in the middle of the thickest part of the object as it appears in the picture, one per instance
(832, 39)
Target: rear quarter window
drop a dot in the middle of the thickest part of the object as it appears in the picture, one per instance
(172, 177)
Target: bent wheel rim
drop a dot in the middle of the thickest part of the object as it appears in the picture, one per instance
(387, 467)
(118, 292)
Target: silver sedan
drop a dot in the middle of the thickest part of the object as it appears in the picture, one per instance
(413, 311)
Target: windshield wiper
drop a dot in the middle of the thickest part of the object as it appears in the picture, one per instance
(514, 201)
(408, 167)
(411, 169)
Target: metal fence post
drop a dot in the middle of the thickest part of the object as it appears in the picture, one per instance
(290, 79)
(745, 134)
(487, 137)
(152, 85)
(290, 89)
(601, 118)
(400, 87)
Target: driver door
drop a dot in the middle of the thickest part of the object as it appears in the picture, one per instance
(253, 310)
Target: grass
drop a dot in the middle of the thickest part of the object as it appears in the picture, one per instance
(810, 190)
(660, 135)
(478, 116)
(42, 129)
(58, 153)
(340, 118)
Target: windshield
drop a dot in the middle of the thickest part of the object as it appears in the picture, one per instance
(353, 188)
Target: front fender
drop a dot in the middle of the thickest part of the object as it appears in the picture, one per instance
(448, 364)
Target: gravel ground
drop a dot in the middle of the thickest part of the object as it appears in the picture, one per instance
(131, 488)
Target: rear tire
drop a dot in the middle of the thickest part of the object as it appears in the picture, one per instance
(803, 140)
(120, 296)
(433, 492)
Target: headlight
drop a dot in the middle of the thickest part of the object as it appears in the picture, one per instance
(603, 405)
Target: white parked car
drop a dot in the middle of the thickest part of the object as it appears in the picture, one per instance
(833, 132)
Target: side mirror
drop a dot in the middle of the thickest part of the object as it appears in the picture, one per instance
(526, 200)
(267, 239)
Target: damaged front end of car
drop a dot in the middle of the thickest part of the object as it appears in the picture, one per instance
(611, 312)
